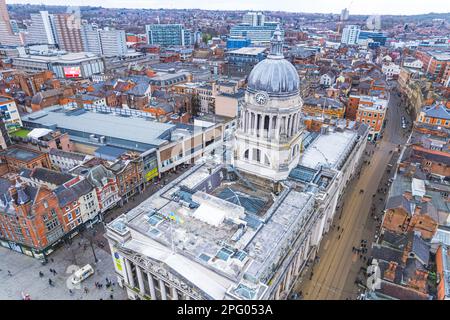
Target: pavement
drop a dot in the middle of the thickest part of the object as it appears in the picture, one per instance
(333, 276)
(25, 277)
(68, 258)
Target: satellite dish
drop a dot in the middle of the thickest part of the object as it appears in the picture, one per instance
(374, 22)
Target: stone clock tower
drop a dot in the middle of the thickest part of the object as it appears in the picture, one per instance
(268, 139)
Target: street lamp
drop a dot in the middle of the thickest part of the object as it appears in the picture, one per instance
(90, 237)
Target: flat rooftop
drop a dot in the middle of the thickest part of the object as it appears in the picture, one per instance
(66, 57)
(249, 51)
(329, 150)
(129, 128)
(218, 225)
(21, 154)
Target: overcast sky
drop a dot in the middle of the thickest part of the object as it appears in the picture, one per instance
(322, 6)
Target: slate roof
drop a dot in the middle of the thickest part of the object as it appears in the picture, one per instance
(72, 193)
(46, 175)
(387, 254)
(324, 101)
(420, 248)
(399, 202)
(437, 111)
(429, 209)
(97, 173)
(65, 154)
(401, 293)
(139, 89)
(392, 239)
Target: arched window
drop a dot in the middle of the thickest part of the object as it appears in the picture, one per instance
(246, 154)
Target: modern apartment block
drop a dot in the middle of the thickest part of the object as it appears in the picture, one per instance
(7, 36)
(68, 31)
(42, 30)
(91, 39)
(113, 42)
(350, 34)
(254, 18)
(257, 34)
(168, 35)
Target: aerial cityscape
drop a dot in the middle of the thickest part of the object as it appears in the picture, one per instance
(264, 153)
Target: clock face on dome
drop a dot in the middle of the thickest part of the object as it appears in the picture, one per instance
(261, 98)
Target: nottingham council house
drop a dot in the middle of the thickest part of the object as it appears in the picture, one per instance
(246, 229)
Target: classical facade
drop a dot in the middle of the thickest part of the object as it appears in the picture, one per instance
(268, 139)
(213, 233)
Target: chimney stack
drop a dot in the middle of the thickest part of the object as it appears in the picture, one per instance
(389, 273)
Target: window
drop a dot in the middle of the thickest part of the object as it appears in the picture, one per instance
(246, 154)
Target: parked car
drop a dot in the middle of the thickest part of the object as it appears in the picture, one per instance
(82, 274)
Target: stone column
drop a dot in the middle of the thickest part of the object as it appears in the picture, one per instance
(174, 293)
(247, 120)
(151, 285)
(140, 280)
(261, 125)
(294, 126)
(162, 288)
(187, 297)
(252, 122)
(269, 131)
(129, 273)
(286, 120)
(307, 246)
(289, 126)
(300, 259)
(278, 127)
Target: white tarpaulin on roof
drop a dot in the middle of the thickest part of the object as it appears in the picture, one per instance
(38, 132)
(418, 187)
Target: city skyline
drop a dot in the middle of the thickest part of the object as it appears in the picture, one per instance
(318, 6)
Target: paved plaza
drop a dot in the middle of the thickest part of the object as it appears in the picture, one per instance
(67, 258)
(25, 277)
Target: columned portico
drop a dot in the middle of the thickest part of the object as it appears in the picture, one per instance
(162, 288)
(140, 280)
(129, 273)
(151, 285)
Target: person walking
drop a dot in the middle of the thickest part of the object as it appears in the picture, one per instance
(86, 290)
(50, 282)
(9, 273)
